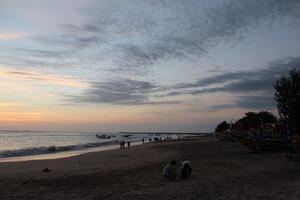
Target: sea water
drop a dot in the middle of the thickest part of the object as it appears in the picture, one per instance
(27, 145)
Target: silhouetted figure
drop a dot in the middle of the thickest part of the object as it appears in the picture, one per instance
(169, 170)
(186, 168)
(143, 141)
(128, 144)
(122, 145)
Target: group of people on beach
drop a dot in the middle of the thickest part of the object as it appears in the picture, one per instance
(156, 139)
(160, 139)
(170, 170)
(122, 144)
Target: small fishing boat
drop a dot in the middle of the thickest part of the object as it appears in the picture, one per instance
(127, 135)
(103, 136)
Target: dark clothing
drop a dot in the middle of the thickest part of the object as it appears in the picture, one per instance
(170, 171)
(186, 169)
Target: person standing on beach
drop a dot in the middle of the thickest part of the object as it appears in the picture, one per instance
(122, 144)
(128, 144)
(170, 171)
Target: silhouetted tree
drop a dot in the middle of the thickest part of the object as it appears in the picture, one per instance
(267, 117)
(223, 126)
(250, 120)
(253, 120)
(287, 95)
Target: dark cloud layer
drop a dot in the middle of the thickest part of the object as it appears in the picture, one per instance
(137, 34)
(260, 102)
(191, 33)
(254, 89)
(133, 35)
(120, 92)
(222, 78)
(252, 83)
(243, 81)
(264, 102)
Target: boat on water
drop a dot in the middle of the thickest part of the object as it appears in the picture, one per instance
(127, 135)
(103, 136)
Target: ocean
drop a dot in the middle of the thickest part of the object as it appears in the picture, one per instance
(33, 145)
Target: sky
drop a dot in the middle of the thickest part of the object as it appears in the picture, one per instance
(142, 65)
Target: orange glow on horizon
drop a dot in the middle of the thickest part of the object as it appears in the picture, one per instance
(10, 104)
(15, 116)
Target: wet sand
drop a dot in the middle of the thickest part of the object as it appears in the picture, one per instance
(221, 170)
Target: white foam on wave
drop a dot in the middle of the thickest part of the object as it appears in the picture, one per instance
(52, 149)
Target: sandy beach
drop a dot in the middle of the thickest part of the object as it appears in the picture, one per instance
(221, 170)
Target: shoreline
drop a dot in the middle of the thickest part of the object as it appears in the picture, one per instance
(62, 154)
(83, 163)
(221, 170)
(61, 150)
(76, 152)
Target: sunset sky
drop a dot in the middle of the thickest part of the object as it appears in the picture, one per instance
(142, 65)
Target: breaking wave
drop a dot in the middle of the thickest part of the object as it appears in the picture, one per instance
(52, 149)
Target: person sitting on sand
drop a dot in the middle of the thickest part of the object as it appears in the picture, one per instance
(186, 168)
(169, 170)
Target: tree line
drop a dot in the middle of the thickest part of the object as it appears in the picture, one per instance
(287, 96)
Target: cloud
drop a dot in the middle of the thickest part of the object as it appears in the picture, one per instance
(136, 35)
(217, 79)
(191, 33)
(258, 85)
(119, 92)
(42, 78)
(237, 82)
(218, 107)
(39, 58)
(37, 53)
(251, 89)
(261, 102)
(10, 36)
(255, 102)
